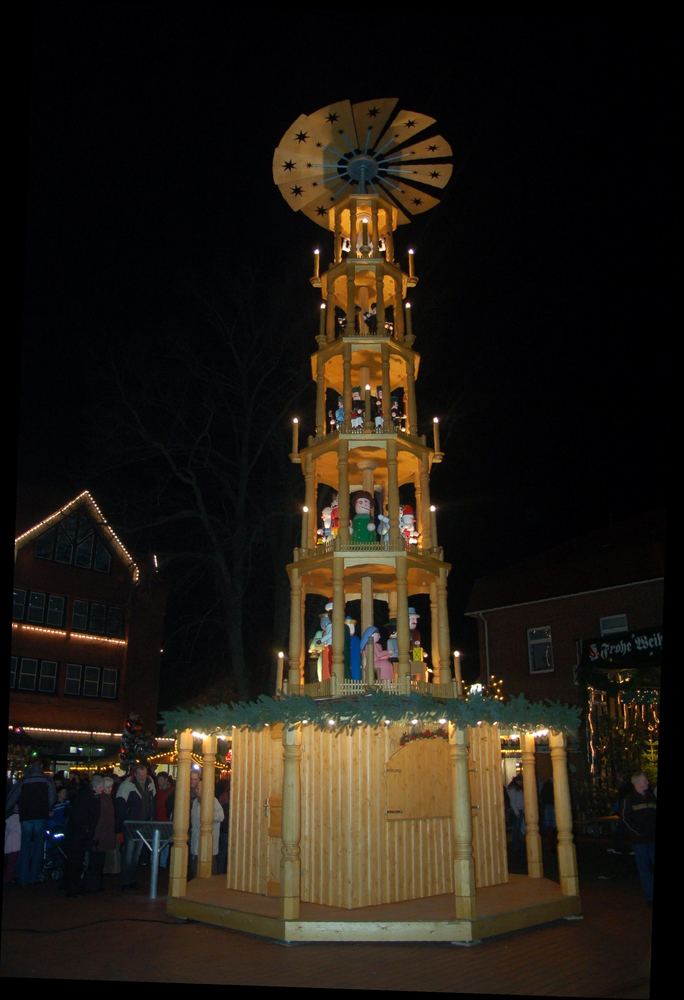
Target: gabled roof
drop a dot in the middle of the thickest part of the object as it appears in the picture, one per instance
(86, 500)
(627, 553)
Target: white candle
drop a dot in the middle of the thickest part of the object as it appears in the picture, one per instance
(433, 525)
(457, 672)
(279, 672)
(411, 255)
(295, 435)
(321, 324)
(409, 320)
(305, 527)
(435, 429)
(317, 263)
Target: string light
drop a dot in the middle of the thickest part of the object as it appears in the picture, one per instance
(66, 634)
(103, 523)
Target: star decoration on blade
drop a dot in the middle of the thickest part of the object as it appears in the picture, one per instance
(368, 148)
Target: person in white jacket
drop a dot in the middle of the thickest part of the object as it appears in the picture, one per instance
(195, 831)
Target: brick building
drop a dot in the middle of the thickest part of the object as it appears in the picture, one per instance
(86, 634)
(577, 621)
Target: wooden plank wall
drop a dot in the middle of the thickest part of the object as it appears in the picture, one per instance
(486, 795)
(257, 774)
(351, 854)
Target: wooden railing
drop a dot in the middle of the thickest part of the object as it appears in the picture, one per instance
(332, 688)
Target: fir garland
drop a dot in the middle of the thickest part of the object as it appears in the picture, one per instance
(375, 709)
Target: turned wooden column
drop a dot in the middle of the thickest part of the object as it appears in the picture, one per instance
(403, 634)
(366, 602)
(207, 795)
(346, 382)
(427, 541)
(434, 637)
(386, 387)
(351, 301)
(343, 493)
(535, 865)
(337, 238)
(462, 826)
(393, 494)
(309, 520)
(321, 418)
(380, 299)
(411, 393)
(330, 318)
(567, 858)
(295, 644)
(338, 619)
(443, 615)
(178, 870)
(291, 824)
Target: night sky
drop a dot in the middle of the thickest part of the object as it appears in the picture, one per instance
(543, 310)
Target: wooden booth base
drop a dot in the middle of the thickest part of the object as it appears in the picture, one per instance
(519, 903)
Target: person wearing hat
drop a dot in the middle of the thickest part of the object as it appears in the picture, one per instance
(362, 524)
(381, 657)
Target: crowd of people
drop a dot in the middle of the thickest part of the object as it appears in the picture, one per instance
(76, 828)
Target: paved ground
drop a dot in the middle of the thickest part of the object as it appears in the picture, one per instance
(124, 936)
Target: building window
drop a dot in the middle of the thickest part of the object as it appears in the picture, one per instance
(74, 542)
(47, 682)
(614, 623)
(540, 650)
(36, 607)
(19, 605)
(72, 681)
(89, 681)
(41, 609)
(100, 619)
(55, 610)
(110, 679)
(29, 674)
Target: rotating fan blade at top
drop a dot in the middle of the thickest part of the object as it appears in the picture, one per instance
(344, 149)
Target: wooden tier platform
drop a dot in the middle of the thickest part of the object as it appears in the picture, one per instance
(519, 903)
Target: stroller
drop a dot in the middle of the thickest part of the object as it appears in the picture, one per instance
(54, 855)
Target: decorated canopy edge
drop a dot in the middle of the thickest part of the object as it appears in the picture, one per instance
(375, 709)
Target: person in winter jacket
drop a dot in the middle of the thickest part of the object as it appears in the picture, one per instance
(35, 796)
(639, 817)
(134, 801)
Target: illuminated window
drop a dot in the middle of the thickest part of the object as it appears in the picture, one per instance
(540, 650)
